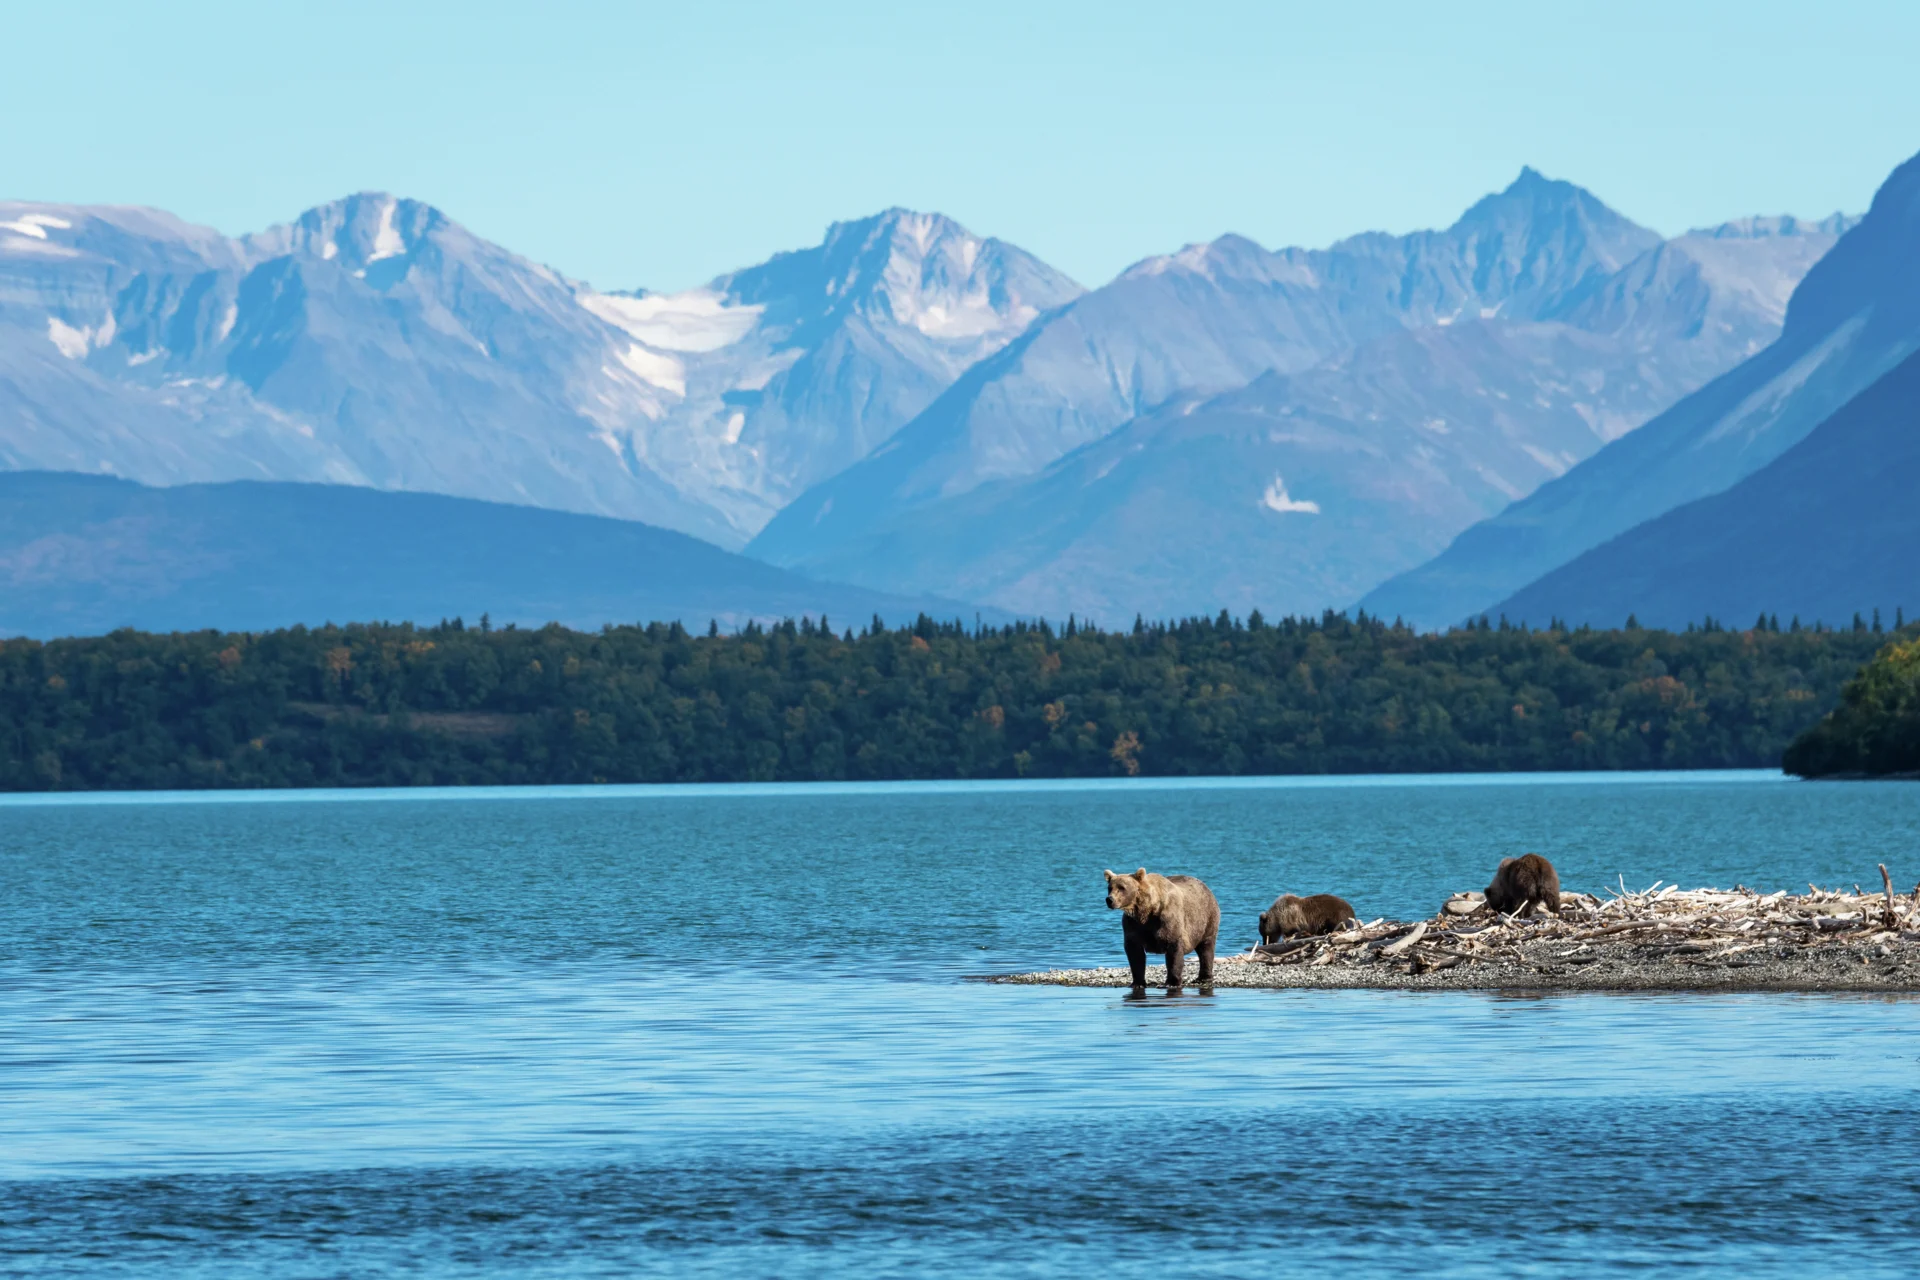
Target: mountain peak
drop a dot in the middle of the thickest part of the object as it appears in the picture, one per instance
(900, 231)
(1543, 242)
(359, 231)
(1533, 194)
(921, 270)
(1873, 268)
(1231, 254)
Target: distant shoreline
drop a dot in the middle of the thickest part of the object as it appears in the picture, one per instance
(902, 786)
(449, 705)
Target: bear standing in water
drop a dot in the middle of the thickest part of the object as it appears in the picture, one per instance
(1524, 880)
(1167, 915)
(1322, 913)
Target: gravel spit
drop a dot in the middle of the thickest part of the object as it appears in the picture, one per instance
(1660, 939)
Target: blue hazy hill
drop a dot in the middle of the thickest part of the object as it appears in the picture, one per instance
(85, 554)
(1826, 530)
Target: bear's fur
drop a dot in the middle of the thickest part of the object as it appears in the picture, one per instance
(1522, 881)
(1322, 913)
(1167, 915)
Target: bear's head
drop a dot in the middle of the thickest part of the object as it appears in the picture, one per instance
(1280, 919)
(1131, 894)
(1500, 874)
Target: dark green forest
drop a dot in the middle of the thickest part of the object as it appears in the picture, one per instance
(1875, 730)
(398, 705)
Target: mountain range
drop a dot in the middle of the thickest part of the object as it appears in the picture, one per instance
(1421, 423)
(1372, 401)
(1852, 319)
(374, 341)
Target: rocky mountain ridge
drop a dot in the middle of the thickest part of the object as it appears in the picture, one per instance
(1853, 318)
(1416, 385)
(906, 405)
(375, 341)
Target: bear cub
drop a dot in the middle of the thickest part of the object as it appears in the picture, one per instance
(1322, 913)
(1167, 915)
(1524, 880)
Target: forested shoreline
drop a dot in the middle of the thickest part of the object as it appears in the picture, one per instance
(452, 704)
(1875, 731)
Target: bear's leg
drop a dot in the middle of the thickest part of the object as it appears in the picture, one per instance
(1137, 961)
(1205, 951)
(1176, 962)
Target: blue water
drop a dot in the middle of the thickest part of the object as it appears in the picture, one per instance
(706, 1031)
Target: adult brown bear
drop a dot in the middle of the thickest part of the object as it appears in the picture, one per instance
(1167, 915)
(1322, 913)
(1522, 881)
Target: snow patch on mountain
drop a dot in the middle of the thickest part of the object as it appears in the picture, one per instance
(1276, 498)
(387, 242)
(969, 316)
(35, 225)
(698, 320)
(790, 370)
(74, 341)
(662, 371)
(70, 342)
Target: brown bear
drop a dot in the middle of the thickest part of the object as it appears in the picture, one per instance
(1322, 913)
(1522, 881)
(1167, 915)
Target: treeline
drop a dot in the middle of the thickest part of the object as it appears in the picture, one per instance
(1875, 730)
(398, 705)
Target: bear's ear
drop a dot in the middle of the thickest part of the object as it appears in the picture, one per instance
(1140, 875)
(1111, 877)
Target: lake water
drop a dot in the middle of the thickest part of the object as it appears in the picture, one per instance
(729, 1031)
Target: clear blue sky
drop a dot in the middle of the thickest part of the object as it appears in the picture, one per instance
(657, 145)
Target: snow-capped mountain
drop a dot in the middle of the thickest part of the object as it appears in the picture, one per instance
(374, 341)
(928, 410)
(786, 373)
(1443, 376)
(1852, 319)
(1208, 319)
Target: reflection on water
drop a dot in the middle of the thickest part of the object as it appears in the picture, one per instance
(697, 1033)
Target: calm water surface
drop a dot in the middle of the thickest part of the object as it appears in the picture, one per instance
(728, 1031)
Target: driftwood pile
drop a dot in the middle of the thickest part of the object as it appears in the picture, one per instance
(1718, 927)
